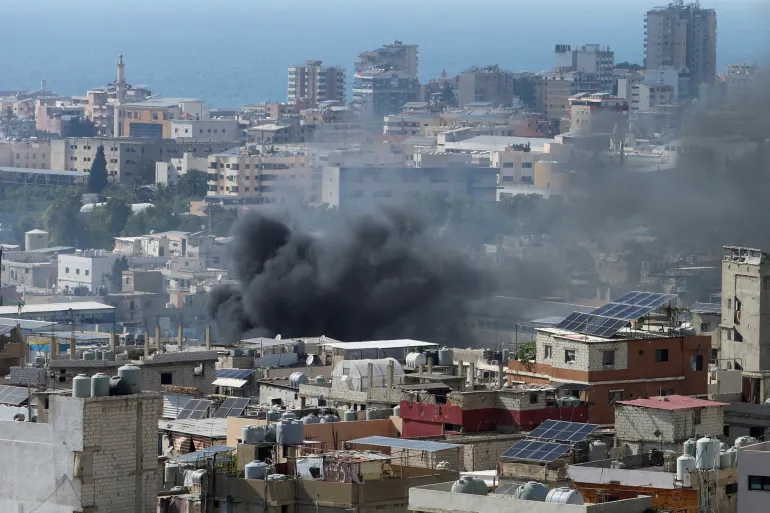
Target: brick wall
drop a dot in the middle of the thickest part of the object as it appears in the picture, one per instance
(181, 375)
(633, 424)
(119, 460)
(589, 356)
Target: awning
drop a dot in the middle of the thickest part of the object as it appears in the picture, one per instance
(568, 385)
(229, 382)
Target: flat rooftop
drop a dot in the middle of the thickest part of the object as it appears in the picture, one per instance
(672, 402)
(162, 102)
(380, 344)
(79, 307)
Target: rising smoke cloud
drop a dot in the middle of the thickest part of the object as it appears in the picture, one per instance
(381, 275)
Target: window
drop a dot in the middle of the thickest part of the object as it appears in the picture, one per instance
(759, 483)
(77, 271)
(608, 357)
(729, 334)
(696, 362)
(729, 303)
(696, 417)
(704, 327)
(737, 336)
(67, 270)
(569, 356)
(87, 272)
(532, 398)
(661, 355)
(614, 396)
(757, 431)
(165, 378)
(548, 352)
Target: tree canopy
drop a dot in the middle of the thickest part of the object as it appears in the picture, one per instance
(97, 178)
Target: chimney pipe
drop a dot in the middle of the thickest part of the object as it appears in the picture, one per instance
(54, 353)
(208, 337)
(460, 373)
(113, 340)
(471, 374)
(146, 344)
(370, 373)
(73, 350)
(391, 372)
(180, 335)
(157, 337)
(500, 375)
(430, 365)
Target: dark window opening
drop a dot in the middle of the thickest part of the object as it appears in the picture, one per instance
(165, 378)
(661, 355)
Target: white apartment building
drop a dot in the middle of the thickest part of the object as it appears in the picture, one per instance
(648, 97)
(205, 130)
(89, 268)
(594, 59)
(312, 83)
(754, 478)
(169, 172)
(256, 178)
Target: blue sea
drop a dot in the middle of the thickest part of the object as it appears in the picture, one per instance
(233, 52)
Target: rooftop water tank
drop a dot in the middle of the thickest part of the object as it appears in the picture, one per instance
(81, 386)
(669, 461)
(372, 414)
(89, 355)
(707, 453)
(119, 386)
(289, 432)
(256, 470)
(99, 354)
(766, 403)
(39, 361)
(727, 458)
(100, 385)
(414, 360)
(564, 496)
(445, 357)
(288, 415)
(270, 433)
(109, 355)
(329, 418)
(133, 376)
(349, 416)
(35, 239)
(311, 419)
(252, 434)
(597, 451)
(297, 378)
(470, 485)
(276, 477)
(319, 380)
(689, 447)
(684, 465)
(743, 441)
(397, 410)
(273, 415)
(532, 491)
(171, 473)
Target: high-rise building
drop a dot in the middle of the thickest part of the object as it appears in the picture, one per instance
(382, 93)
(554, 90)
(394, 56)
(312, 83)
(490, 84)
(682, 35)
(594, 59)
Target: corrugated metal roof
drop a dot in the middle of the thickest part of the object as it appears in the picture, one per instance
(229, 382)
(672, 402)
(209, 452)
(404, 443)
(174, 403)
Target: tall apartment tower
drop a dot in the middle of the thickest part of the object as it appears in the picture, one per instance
(682, 35)
(490, 84)
(395, 56)
(745, 323)
(313, 83)
(593, 59)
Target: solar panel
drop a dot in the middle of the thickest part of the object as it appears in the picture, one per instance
(235, 373)
(534, 450)
(715, 308)
(232, 407)
(590, 324)
(648, 299)
(224, 409)
(563, 431)
(13, 395)
(194, 409)
(238, 407)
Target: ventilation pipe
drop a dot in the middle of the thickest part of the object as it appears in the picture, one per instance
(370, 373)
(180, 335)
(500, 375)
(208, 337)
(391, 372)
(146, 344)
(157, 337)
(113, 340)
(73, 350)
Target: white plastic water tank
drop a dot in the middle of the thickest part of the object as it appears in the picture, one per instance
(171, 474)
(397, 410)
(81, 386)
(289, 433)
(597, 451)
(100, 385)
(532, 491)
(445, 357)
(684, 465)
(743, 441)
(132, 375)
(311, 419)
(349, 416)
(707, 453)
(564, 496)
(414, 360)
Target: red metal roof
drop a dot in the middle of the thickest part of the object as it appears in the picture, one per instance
(672, 402)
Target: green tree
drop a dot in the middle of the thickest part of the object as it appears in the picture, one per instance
(192, 184)
(629, 65)
(448, 95)
(524, 87)
(62, 219)
(97, 178)
(117, 210)
(116, 274)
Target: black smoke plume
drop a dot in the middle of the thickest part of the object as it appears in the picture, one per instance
(383, 275)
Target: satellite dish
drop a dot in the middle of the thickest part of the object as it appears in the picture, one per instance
(278, 337)
(309, 360)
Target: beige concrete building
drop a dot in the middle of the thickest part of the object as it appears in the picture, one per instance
(152, 117)
(489, 84)
(28, 154)
(242, 177)
(555, 88)
(515, 166)
(597, 113)
(312, 83)
(96, 454)
(395, 56)
(682, 35)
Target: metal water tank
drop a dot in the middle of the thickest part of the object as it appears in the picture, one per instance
(532, 491)
(100, 385)
(89, 355)
(171, 473)
(767, 403)
(273, 415)
(597, 450)
(565, 496)
(81, 386)
(349, 416)
(707, 453)
(397, 410)
(256, 470)
(119, 386)
(470, 485)
(446, 357)
(289, 432)
(743, 441)
(288, 415)
(252, 434)
(311, 419)
(414, 360)
(689, 447)
(133, 376)
(684, 465)
(298, 378)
